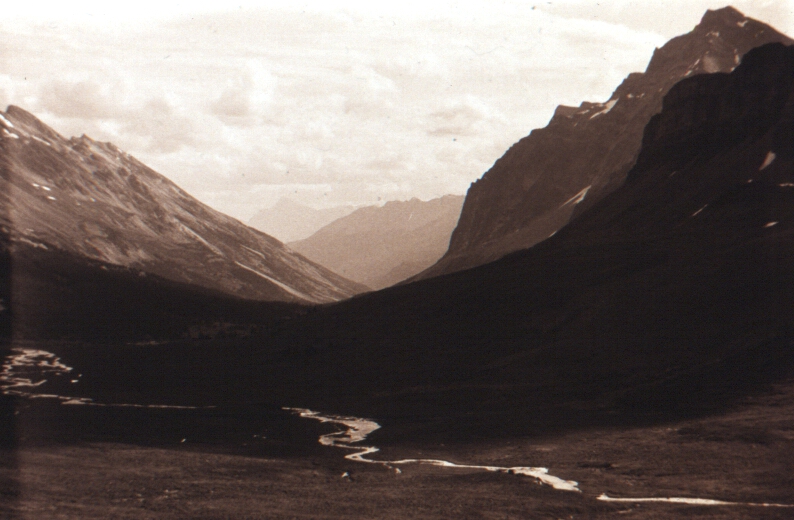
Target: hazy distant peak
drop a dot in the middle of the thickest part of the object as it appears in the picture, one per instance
(290, 220)
(382, 245)
(286, 202)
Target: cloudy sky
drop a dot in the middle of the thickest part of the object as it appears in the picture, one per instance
(331, 102)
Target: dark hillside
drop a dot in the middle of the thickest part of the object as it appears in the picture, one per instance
(549, 177)
(669, 298)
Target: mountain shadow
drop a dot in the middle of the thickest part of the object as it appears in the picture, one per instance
(585, 152)
(669, 298)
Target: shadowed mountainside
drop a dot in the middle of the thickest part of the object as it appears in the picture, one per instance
(584, 153)
(670, 297)
(57, 295)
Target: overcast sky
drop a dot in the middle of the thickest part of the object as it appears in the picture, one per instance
(327, 103)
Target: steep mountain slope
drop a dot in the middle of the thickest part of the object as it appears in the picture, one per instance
(57, 295)
(584, 153)
(672, 296)
(289, 221)
(93, 200)
(379, 246)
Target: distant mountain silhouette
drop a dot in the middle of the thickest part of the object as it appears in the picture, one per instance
(379, 246)
(94, 201)
(289, 221)
(584, 153)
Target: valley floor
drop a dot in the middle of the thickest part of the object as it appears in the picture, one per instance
(746, 455)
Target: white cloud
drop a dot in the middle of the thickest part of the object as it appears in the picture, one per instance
(83, 99)
(330, 103)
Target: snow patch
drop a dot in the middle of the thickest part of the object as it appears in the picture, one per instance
(254, 251)
(770, 224)
(10, 134)
(607, 108)
(787, 185)
(579, 197)
(51, 197)
(770, 157)
(6, 121)
(692, 501)
(201, 239)
(32, 243)
(692, 67)
(287, 288)
(698, 211)
(41, 140)
(742, 23)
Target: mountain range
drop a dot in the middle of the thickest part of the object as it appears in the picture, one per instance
(379, 246)
(585, 152)
(96, 202)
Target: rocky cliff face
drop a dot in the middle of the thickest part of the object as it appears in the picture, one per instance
(585, 153)
(381, 246)
(717, 162)
(97, 202)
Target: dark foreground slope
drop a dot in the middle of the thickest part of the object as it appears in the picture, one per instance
(671, 297)
(94, 201)
(584, 153)
(54, 295)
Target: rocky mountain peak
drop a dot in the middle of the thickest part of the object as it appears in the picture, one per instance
(725, 17)
(24, 117)
(94, 201)
(555, 173)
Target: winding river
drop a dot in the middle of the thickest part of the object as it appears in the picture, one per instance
(27, 370)
(24, 371)
(358, 429)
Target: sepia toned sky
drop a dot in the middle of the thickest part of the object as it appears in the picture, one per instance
(331, 102)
